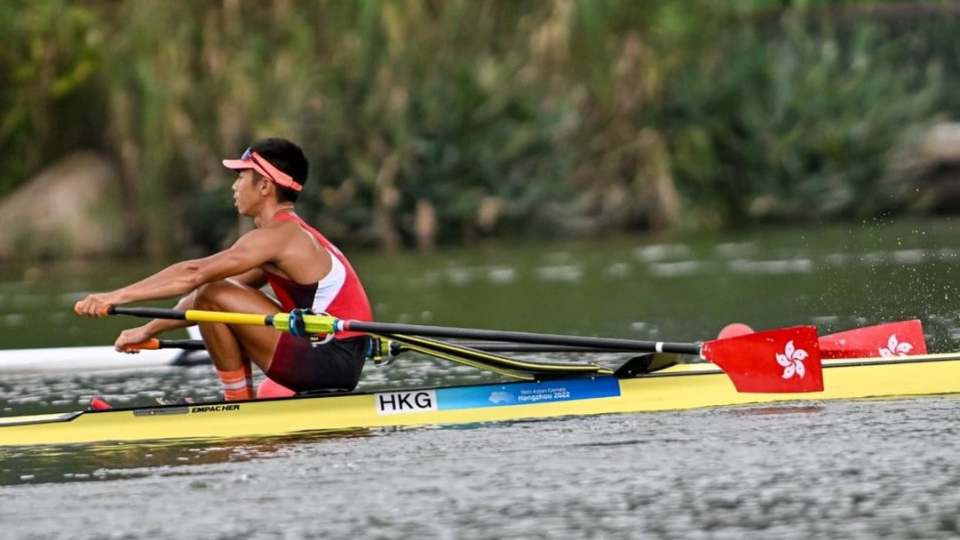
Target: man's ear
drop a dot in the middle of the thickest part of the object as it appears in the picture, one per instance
(265, 186)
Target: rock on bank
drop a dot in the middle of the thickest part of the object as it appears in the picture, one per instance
(72, 208)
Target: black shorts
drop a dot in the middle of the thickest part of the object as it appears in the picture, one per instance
(303, 365)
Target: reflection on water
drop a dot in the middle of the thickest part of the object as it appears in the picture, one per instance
(112, 461)
(877, 468)
(841, 469)
(782, 409)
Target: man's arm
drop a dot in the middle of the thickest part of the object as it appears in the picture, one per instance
(154, 328)
(255, 278)
(249, 252)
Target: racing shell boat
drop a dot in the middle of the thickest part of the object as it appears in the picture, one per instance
(638, 386)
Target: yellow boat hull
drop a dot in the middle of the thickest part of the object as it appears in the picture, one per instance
(678, 388)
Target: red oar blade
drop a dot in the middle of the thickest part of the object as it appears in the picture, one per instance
(902, 338)
(771, 361)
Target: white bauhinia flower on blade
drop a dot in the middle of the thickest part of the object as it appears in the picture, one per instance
(792, 361)
(895, 347)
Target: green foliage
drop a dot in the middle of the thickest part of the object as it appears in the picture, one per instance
(797, 127)
(452, 120)
(47, 63)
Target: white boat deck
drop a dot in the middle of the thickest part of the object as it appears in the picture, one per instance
(81, 359)
(99, 358)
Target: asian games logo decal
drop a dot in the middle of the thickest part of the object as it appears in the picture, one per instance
(896, 347)
(792, 361)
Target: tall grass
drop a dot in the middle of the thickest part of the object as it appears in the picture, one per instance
(451, 120)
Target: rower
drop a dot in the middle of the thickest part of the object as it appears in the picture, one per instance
(304, 269)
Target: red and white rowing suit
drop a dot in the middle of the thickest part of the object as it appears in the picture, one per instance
(303, 364)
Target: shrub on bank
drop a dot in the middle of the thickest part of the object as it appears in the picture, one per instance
(450, 121)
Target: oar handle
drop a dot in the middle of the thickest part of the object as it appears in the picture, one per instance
(148, 312)
(151, 344)
(154, 344)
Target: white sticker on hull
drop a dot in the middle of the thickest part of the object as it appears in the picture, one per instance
(406, 402)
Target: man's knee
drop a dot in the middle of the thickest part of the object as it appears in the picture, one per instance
(211, 296)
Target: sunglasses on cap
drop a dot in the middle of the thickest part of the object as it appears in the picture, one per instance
(253, 160)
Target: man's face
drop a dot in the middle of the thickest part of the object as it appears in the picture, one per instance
(246, 192)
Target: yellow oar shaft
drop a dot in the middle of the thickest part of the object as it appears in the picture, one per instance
(252, 319)
(315, 324)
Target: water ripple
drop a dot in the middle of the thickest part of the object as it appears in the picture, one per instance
(726, 473)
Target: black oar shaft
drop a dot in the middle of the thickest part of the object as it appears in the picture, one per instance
(198, 345)
(488, 346)
(184, 344)
(522, 337)
(148, 312)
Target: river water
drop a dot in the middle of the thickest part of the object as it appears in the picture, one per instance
(873, 468)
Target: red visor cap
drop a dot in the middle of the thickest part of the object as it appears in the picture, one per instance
(253, 160)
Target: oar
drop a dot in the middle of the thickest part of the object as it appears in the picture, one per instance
(781, 360)
(455, 352)
(397, 348)
(645, 363)
(154, 344)
(429, 346)
(901, 338)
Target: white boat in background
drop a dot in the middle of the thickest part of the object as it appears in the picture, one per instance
(97, 358)
(85, 359)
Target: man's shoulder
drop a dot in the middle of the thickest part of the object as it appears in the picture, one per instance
(272, 233)
(275, 227)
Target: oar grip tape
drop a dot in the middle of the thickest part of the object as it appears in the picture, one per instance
(148, 312)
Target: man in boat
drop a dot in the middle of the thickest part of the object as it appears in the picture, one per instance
(304, 269)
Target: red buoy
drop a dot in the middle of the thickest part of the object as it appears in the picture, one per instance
(733, 330)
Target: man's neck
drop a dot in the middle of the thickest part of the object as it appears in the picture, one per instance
(270, 210)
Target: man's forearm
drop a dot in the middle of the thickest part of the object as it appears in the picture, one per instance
(174, 280)
(159, 326)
